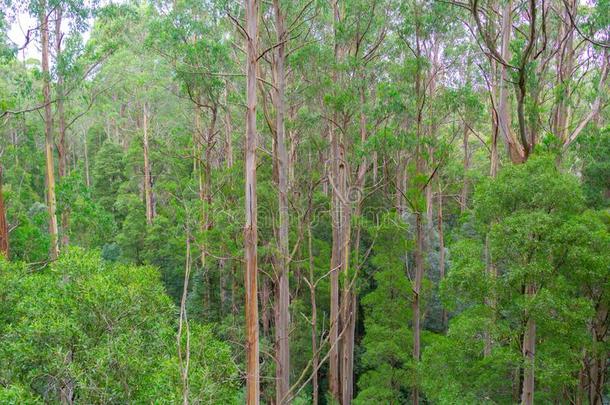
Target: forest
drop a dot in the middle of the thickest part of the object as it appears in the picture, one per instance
(325, 202)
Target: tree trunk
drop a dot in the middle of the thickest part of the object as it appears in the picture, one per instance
(419, 275)
(4, 242)
(250, 230)
(87, 176)
(62, 149)
(150, 210)
(565, 65)
(282, 328)
(441, 249)
(49, 141)
(337, 179)
(419, 226)
(266, 315)
(314, 320)
(597, 362)
(465, 184)
(529, 353)
(228, 133)
(515, 151)
(184, 358)
(335, 268)
(222, 267)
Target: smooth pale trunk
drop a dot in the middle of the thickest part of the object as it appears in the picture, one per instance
(349, 299)
(338, 232)
(49, 141)
(335, 265)
(282, 327)
(250, 229)
(62, 148)
(504, 122)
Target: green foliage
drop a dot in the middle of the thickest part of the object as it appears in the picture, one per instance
(108, 175)
(387, 348)
(537, 234)
(594, 151)
(105, 331)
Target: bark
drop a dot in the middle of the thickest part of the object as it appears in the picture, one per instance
(59, 103)
(4, 241)
(515, 151)
(349, 299)
(338, 186)
(282, 327)
(419, 226)
(266, 315)
(148, 194)
(62, 149)
(429, 194)
(250, 230)
(49, 141)
(493, 97)
(335, 268)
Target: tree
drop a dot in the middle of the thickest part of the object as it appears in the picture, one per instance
(250, 230)
(4, 242)
(49, 138)
(387, 356)
(84, 311)
(525, 212)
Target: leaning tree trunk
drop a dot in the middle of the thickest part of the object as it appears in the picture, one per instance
(250, 230)
(282, 327)
(49, 141)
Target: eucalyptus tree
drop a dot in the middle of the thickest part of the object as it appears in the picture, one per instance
(250, 229)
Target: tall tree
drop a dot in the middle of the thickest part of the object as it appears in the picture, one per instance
(250, 230)
(4, 242)
(282, 327)
(48, 122)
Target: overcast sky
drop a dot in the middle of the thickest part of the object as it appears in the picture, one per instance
(22, 21)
